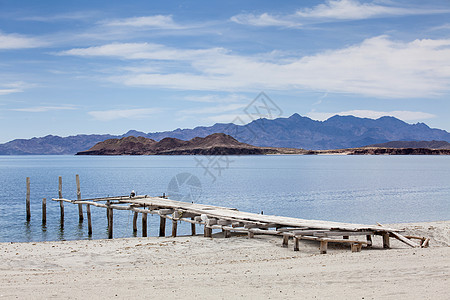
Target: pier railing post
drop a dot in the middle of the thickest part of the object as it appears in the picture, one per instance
(192, 227)
(28, 204)
(80, 206)
(61, 203)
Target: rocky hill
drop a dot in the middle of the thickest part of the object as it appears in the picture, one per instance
(214, 144)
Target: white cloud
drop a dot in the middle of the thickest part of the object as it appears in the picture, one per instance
(213, 109)
(156, 21)
(141, 51)
(372, 114)
(16, 41)
(115, 114)
(211, 98)
(9, 91)
(43, 108)
(377, 67)
(333, 10)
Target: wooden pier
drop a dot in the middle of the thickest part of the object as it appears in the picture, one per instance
(230, 220)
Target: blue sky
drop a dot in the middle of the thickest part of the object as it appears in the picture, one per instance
(70, 67)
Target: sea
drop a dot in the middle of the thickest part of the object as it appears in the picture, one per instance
(358, 189)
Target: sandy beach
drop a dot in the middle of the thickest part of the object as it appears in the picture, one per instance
(219, 268)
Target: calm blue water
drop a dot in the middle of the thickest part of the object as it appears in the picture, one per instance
(362, 189)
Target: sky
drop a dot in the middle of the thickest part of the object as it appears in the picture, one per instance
(83, 67)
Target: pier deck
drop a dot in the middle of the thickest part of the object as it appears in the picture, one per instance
(232, 220)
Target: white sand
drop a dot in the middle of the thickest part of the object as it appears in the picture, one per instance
(218, 268)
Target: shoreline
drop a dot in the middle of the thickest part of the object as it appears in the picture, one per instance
(236, 267)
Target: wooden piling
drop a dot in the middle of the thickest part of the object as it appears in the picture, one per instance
(135, 217)
(296, 243)
(108, 203)
(323, 247)
(80, 206)
(110, 221)
(88, 213)
(162, 226)
(207, 232)
(174, 227)
(285, 241)
(386, 242)
(369, 240)
(61, 203)
(193, 227)
(44, 211)
(28, 203)
(144, 224)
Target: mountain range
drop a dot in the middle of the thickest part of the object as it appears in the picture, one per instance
(295, 131)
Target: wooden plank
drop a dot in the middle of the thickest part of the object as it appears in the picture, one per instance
(144, 224)
(425, 243)
(44, 211)
(405, 240)
(356, 247)
(28, 202)
(80, 206)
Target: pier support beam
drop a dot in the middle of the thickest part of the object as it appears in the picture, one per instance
(323, 247)
(369, 240)
(88, 213)
(44, 211)
(296, 243)
(28, 204)
(207, 232)
(110, 222)
(144, 224)
(174, 227)
(135, 217)
(386, 242)
(193, 227)
(285, 243)
(61, 203)
(80, 206)
(162, 226)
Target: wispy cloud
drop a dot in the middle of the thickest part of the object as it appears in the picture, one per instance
(378, 66)
(17, 41)
(155, 21)
(372, 114)
(212, 98)
(141, 51)
(115, 114)
(79, 15)
(333, 10)
(213, 109)
(13, 87)
(37, 109)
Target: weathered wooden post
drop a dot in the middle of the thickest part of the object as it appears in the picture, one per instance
(80, 206)
(28, 203)
(162, 226)
(44, 211)
(135, 217)
(369, 240)
(175, 217)
(144, 224)
(192, 227)
(107, 211)
(110, 221)
(386, 243)
(88, 213)
(296, 243)
(61, 203)
(285, 243)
